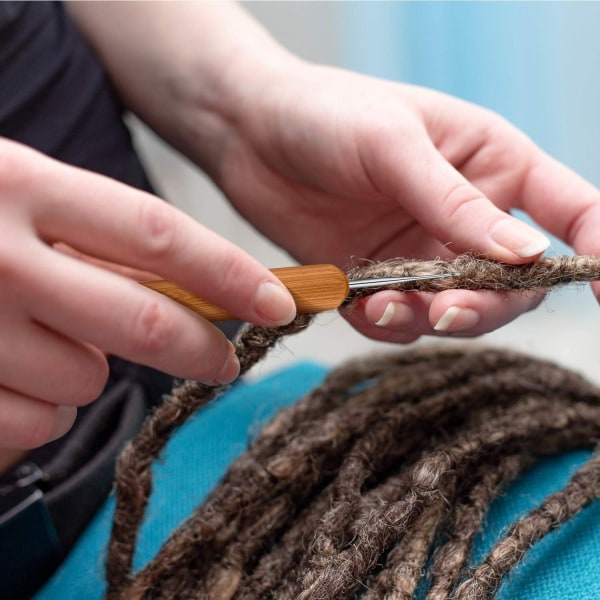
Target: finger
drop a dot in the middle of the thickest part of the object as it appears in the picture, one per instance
(390, 316)
(556, 197)
(447, 204)
(135, 274)
(109, 220)
(27, 423)
(67, 371)
(121, 317)
(403, 317)
(563, 203)
(470, 313)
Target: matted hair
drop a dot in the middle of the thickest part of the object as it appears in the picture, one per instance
(371, 486)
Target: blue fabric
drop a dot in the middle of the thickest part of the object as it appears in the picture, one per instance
(563, 566)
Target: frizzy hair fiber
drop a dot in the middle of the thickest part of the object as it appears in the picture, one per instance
(377, 478)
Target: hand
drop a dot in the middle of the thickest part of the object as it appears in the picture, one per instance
(60, 316)
(333, 165)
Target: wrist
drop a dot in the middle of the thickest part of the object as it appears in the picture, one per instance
(226, 87)
(185, 68)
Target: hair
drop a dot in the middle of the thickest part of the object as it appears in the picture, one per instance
(378, 476)
(478, 273)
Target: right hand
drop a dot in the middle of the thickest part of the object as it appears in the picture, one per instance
(60, 317)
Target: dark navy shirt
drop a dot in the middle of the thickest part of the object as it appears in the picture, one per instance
(55, 96)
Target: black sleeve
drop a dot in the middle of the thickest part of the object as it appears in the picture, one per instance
(55, 96)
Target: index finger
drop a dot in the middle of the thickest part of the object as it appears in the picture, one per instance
(112, 221)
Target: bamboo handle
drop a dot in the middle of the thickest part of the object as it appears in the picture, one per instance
(315, 288)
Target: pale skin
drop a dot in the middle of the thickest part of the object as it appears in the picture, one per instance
(371, 168)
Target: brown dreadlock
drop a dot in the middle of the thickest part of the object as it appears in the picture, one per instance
(381, 474)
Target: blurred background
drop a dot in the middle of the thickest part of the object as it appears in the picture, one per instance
(537, 64)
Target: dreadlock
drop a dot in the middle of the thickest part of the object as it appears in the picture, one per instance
(372, 486)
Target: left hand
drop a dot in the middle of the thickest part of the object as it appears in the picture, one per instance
(332, 165)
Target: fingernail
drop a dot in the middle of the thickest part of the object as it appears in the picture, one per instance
(519, 238)
(395, 315)
(457, 319)
(274, 303)
(231, 368)
(65, 417)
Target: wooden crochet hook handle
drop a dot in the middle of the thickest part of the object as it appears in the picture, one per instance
(315, 288)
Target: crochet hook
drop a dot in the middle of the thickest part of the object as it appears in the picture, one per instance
(315, 288)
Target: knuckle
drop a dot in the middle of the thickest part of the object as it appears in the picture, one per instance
(231, 273)
(157, 229)
(154, 329)
(574, 226)
(230, 277)
(458, 199)
(500, 148)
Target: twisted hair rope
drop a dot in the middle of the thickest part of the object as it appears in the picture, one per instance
(287, 468)
(431, 481)
(582, 488)
(353, 486)
(477, 273)
(134, 476)
(450, 559)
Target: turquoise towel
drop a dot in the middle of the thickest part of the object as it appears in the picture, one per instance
(565, 565)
